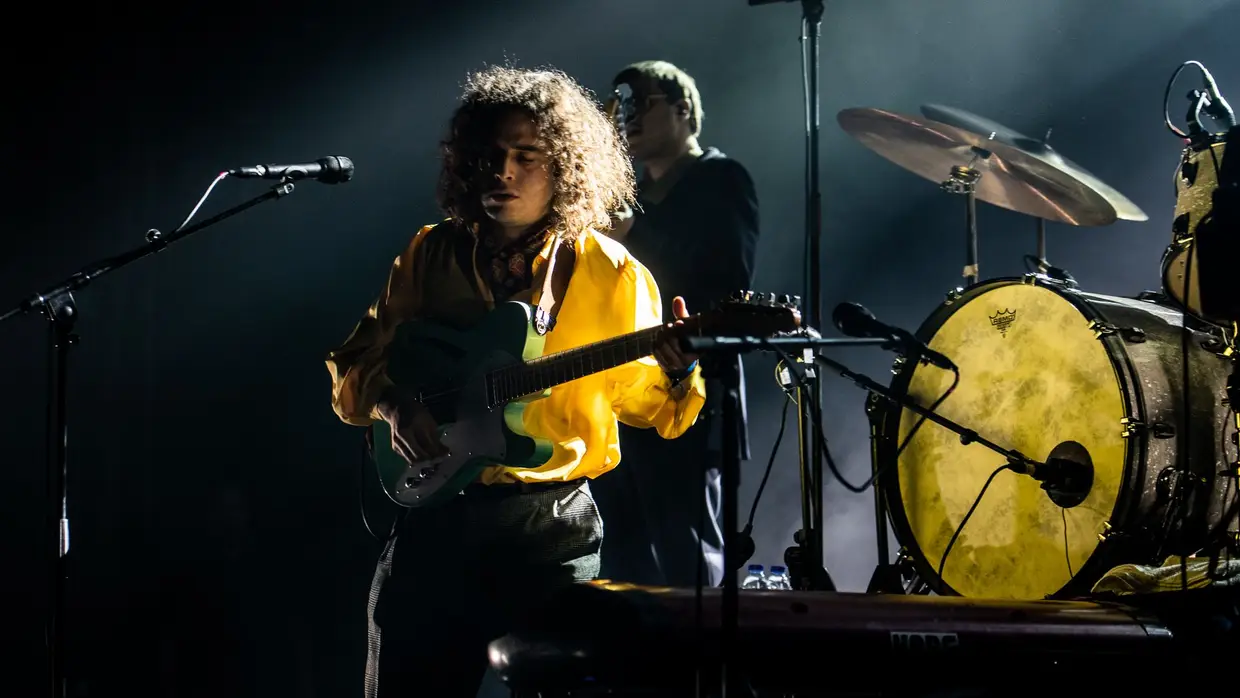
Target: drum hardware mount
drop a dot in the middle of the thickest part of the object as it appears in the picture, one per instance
(1218, 347)
(1132, 427)
(1172, 482)
(1132, 335)
(1040, 259)
(1108, 531)
(963, 181)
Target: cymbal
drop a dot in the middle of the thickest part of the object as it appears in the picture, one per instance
(952, 116)
(1013, 177)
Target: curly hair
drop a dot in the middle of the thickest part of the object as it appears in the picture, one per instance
(591, 173)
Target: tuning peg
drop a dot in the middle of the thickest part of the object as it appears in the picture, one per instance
(784, 299)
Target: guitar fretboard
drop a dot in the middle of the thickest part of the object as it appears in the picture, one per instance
(511, 382)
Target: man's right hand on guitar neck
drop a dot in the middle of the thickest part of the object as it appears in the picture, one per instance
(415, 433)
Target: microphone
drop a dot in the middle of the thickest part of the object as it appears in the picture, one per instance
(1060, 477)
(1217, 106)
(855, 320)
(332, 169)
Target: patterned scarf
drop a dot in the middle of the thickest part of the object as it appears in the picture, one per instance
(508, 266)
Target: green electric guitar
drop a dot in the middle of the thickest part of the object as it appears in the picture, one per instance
(477, 384)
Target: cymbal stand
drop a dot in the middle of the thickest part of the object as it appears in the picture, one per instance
(1043, 263)
(963, 180)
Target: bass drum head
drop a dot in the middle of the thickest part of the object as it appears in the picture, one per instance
(1033, 378)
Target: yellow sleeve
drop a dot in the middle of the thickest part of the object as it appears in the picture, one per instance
(641, 387)
(358, 367)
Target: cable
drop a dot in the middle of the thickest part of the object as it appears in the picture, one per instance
(816, 413)
(1063, 514)
(219, 178)
(770, 463)
(907, 439)
(1167, 97)
(967, 516)
(361, 496)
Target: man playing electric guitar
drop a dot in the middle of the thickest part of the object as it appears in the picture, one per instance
(532, 167)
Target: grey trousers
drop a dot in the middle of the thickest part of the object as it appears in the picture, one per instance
(459, 575)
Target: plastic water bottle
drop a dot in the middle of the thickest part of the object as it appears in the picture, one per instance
(755, 579)
(778, 579)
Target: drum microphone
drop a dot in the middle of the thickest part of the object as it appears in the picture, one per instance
(855, 320)
(1059, 475)
(332, 169)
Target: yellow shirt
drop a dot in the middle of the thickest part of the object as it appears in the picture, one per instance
(609, 294)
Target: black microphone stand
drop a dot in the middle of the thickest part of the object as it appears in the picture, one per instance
(60, 308)
(724, 366)
(804, 559)
(721, 361)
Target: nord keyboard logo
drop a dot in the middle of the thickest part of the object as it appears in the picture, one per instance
(924, 642)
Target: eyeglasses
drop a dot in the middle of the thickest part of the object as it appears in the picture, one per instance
(625, 106)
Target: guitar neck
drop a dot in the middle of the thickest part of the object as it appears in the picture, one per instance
(535, 376)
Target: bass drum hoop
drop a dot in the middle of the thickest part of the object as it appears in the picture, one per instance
(887, 421)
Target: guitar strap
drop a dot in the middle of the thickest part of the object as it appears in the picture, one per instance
(555, 279)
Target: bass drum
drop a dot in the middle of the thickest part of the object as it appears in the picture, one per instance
(1046, 370)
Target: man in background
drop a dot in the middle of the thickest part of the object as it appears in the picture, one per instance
(696, 229)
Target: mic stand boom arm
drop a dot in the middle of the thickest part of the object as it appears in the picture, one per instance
(156, 241)
(1019, 462)
(60, 308)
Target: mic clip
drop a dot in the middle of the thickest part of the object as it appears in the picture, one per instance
(903, 343)
(1065, 481)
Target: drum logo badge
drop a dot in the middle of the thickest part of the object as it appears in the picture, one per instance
(1003, 320)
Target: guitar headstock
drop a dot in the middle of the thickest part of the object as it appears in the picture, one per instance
(750, 313)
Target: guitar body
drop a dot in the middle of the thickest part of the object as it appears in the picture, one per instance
(478, 383)
(439, 361)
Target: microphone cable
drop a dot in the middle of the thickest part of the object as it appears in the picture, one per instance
(816, 412)
(745, 538)
(959, 529)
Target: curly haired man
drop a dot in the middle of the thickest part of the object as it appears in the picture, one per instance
(532, 169)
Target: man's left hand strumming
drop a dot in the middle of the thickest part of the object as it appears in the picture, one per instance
(675, 362)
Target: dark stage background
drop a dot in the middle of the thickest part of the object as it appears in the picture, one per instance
(217, 544)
